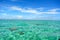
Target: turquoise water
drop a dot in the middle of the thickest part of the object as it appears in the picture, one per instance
(29, 30)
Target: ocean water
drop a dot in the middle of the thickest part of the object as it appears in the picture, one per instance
(29, 30)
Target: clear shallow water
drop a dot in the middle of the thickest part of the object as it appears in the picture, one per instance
(29, 30)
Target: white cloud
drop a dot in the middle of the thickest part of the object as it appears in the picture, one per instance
(24, 10)
(19, 16)
(16, 8)
(35, 11)
(49, 12)
(4, 14)
(53, 11)
(10, 16)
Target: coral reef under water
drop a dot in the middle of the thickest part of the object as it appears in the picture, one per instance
(30, 30)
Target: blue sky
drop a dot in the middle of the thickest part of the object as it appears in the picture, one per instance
(30, 9)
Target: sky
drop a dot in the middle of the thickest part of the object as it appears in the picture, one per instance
(30, 9)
